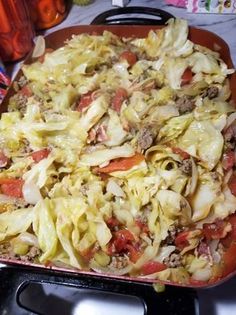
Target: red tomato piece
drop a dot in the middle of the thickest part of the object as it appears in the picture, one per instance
(88, 254)
(232, 185)
(120, 95)
(142, 225)
(134, 253)
(85, 101)
(129, 56)
(112, 222)
(216, 230)
(152, 267)
(125, 234)
(187, 76)
(3, 159)
(40, 155)
(228, 160)
(119, 242)
(122, 164)
(26, 91)
(181, 240)
(180, 152)
(12, 187)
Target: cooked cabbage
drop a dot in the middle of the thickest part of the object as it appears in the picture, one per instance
(104, 168)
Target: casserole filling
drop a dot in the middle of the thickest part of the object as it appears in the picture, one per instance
(118, 156)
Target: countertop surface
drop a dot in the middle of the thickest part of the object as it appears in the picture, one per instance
(223, 25)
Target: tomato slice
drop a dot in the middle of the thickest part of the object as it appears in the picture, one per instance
(4, 160)
(129, 56)
(228, 160)
(12, 187)
(122, 164)
(232, 184)
(181, 240)
(180, 152)
(133, 252)
(85, 101)
(216, 230)
(125, 234)
(142, 225)
(112, 222)
(26, 91)
(152, 267)
(187, 76)
(40, 155)
(119, 241)
(120, 95)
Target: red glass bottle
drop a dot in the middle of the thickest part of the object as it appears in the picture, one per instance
(16, 30)
(47, 13)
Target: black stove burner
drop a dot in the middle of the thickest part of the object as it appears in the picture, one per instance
(111, 16)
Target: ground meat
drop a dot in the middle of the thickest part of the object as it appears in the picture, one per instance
(230, 137)
(185, 104)
(22, 81)
(146, 137)
(25, 146)
(172, 232)
(173, 261)
(171, 235)
(186, 167)
(119, 262)
(33, 253)
(211, 92)
(21, 102)
(6, 252)
(4, 248)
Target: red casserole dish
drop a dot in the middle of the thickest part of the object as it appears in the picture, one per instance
(198, 36)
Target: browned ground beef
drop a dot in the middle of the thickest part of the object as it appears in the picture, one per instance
(146, 137)
(211, 92)
(185, 104)
(173, 261)
(186, 167)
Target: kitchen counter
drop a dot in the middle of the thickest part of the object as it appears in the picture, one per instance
(223, 25)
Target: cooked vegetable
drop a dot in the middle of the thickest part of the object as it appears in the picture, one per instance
(117, 155)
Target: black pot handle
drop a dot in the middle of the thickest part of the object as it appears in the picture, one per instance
(110, 16)
(30, 291)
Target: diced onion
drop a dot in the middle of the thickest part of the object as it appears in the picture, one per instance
(230, 120)
(215, 255)
(202, 274)
(194, 177)
(118, 272)
(115, 189)
(164, 252)
(28, 239)
(31, 193)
